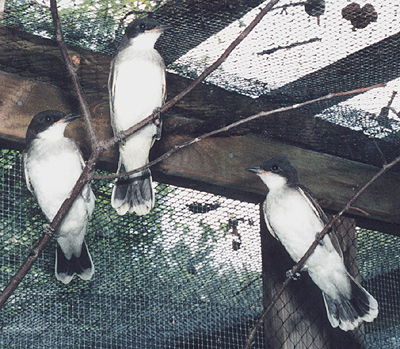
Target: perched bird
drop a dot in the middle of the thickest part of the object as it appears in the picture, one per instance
(52, 165)
(294, 218)
(137, 88)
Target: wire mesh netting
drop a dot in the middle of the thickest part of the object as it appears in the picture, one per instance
(187, 275)
(289, 57)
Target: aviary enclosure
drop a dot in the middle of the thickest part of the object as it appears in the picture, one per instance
(320, 87)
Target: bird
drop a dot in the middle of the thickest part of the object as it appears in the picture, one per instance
(137, 88)
(294, 217)
(52, 165)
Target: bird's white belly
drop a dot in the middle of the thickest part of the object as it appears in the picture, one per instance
(53, 178)
(294, 223)
(138, 92)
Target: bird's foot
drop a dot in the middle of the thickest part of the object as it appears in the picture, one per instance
(50, 231)
(157, 120)
(290, 275)
(121, 137)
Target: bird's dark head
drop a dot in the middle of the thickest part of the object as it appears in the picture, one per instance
(145, 26)
(49, 120)
(277, 171)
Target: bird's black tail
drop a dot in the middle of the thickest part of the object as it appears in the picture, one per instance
(134, 194)
(82, 265)
(349, 312)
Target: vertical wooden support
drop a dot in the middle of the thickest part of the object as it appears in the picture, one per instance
(298, 319)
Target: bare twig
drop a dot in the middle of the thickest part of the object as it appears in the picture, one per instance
(235, 124)
(35, 252)
(72, 73)
(297, 268)
(383, 115)
(196, 82)
(100, 147)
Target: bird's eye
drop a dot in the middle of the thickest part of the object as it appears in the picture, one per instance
(275, 167)
(47, 119)
(142, 26)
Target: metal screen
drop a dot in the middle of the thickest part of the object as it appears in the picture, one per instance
(187, 275)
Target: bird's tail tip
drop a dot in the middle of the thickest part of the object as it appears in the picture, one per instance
(133, 195)
(348, 314)
(66, 268)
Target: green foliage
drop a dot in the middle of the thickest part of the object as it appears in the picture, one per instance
(377, 253)
(170, 257)
(94, 25)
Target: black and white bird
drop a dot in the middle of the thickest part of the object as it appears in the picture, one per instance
(137, 88)
(294, 217)
(52, 165)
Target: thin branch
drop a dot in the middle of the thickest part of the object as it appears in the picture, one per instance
(235, 124)
(123, 135)
(54, 225)
(100, 147)
(297, 268)
(72, 73)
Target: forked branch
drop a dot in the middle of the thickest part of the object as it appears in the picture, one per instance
(100, 147)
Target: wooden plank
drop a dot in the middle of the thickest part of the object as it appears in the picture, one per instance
(222, 161)
(218, 163)
(204, 109)
(21, 99)
(349, 73)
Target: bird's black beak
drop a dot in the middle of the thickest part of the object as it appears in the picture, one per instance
(161, 28)
(255, 170)
(70, 117)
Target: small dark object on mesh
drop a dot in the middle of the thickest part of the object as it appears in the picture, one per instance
(277, 48)
(315, 8)
(236, 245)
(359, 17)
(197, 207)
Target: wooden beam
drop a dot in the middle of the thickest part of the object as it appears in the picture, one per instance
(222, 161)
(349, 73)
(217, 163)
(206, 108)
(21, 99)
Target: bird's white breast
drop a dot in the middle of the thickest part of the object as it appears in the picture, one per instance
(138, 86)
(53, 174)
(292, 220)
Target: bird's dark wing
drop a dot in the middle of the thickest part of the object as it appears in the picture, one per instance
(111, 90)
(28, 182)
(164, 96)
(314, 203)
(272, 232)
(321, 214)
(86, 189)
